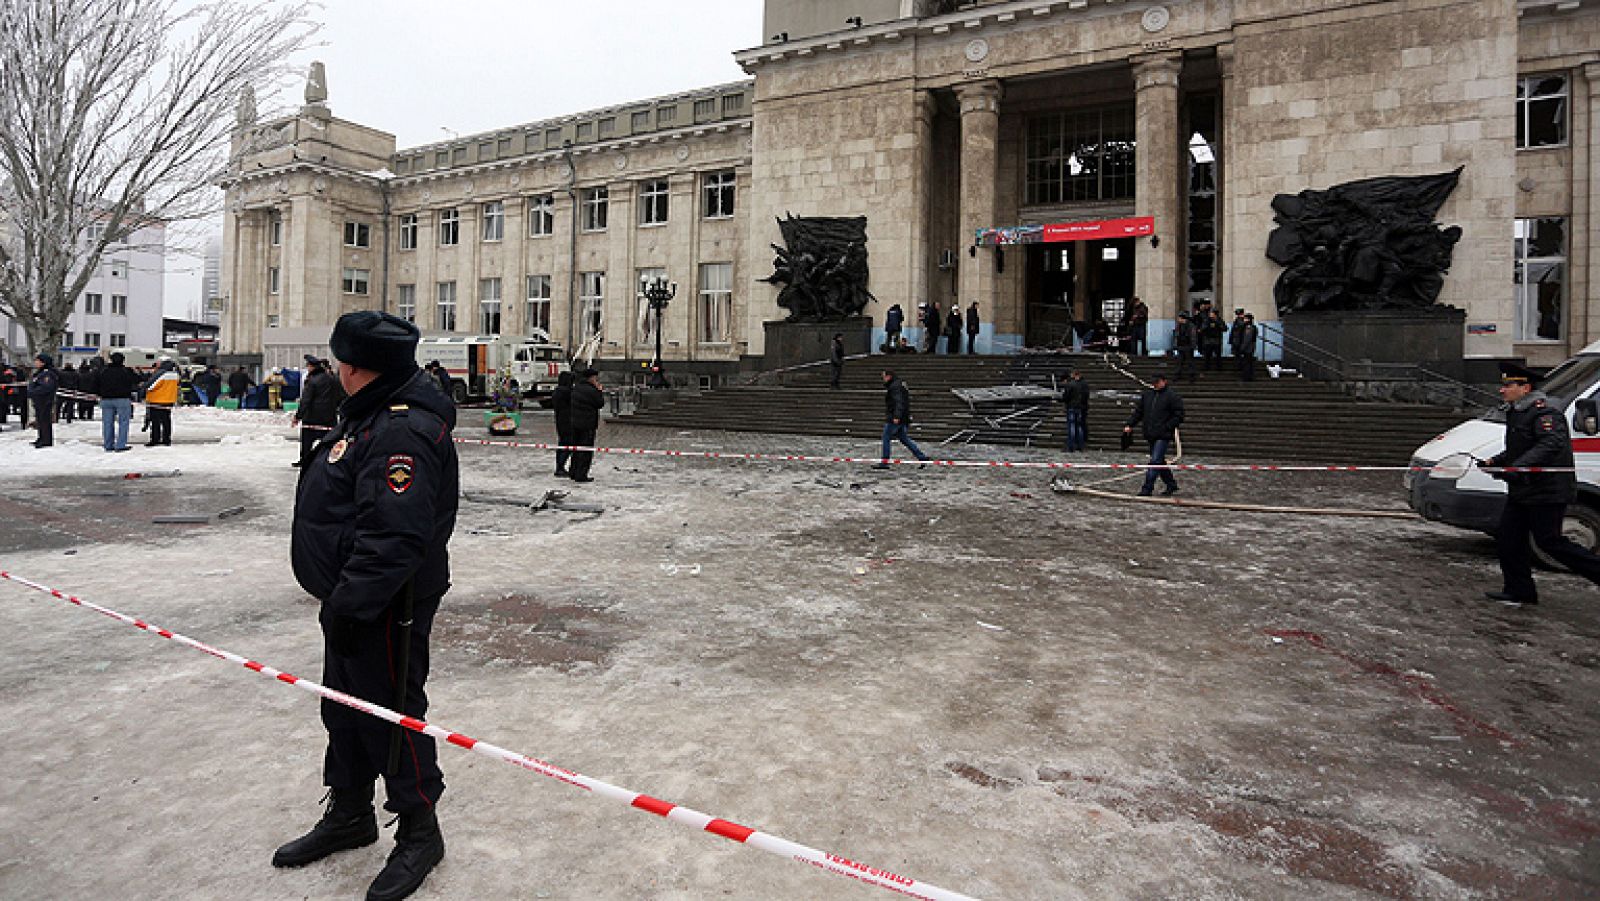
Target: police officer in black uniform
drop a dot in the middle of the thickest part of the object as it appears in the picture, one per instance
(1536, 436)
(374, 511)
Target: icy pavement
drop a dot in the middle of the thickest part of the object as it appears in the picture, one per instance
(953, 674)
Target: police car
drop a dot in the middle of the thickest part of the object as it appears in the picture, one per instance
(1444, 486)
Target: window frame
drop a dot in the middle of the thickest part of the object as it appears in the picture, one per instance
(408, 231)
(91, 339)
(1525, 302)
(710, 298)
(444, 305)
(275, 230)
(119, 305)
(93, 303)
(596, 209)
(490, 305)
(405, 304)
(449, 224)
(591, 306)
(274, 280)
(1524, 102)
(357, 234)
(537, 307)
(719, 194)
(357, 282)
(541, 212)
(492, 219)
(655, 192)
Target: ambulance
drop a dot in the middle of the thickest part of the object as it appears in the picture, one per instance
(474, 361)
(1444, 486)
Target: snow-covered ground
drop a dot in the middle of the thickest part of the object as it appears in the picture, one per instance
(952, 674)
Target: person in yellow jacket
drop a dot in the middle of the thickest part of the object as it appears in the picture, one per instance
(160, 396)
(275, 384)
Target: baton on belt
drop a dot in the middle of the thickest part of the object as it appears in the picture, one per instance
(402, 672)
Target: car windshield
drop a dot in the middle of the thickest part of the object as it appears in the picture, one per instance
(1563, 384)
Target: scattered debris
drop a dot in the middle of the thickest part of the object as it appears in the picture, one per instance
(215, 572)
(990, 626)
(70, 553)
(1022, 495)
(182, 519)
(154, 475)
(230, 512)
(557, 500)
(490, 533)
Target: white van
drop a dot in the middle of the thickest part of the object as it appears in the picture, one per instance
(1460, 494)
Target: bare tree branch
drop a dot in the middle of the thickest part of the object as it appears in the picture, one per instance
(116, 114)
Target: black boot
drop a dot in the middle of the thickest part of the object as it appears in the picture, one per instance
(347, 823)
(418, 848)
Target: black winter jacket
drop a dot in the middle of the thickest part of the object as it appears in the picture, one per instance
(320, 399)
(1536, 435)
(239, 383)
(897, 402)
(42, 385)
(377, 498)
(587, 402)
(1075, 394)
(561, 402)
(894, 319)
(118, 382)
(1160, 413)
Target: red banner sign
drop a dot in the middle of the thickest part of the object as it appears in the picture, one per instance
(1062, 232)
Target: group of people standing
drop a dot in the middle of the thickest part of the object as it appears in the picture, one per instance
(935, 325)
(68, 393)
(1205, 332)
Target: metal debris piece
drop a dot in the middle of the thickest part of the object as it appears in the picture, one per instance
(990, 626)
(182, 519)
(230, 512)
(154, 475)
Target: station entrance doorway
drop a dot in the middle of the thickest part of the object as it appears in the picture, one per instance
(1077, 289)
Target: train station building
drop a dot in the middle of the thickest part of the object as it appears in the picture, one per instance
(1046, 160)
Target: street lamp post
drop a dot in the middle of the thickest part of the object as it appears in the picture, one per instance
(657, 292)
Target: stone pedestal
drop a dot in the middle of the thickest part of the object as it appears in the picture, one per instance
(793, 343)
(1432, 337)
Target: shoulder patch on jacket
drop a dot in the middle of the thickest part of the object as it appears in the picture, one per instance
(400, 472)
(1547, 423)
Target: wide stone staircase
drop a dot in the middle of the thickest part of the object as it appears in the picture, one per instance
(1287, 419)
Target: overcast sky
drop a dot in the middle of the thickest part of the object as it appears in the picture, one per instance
(414, 68)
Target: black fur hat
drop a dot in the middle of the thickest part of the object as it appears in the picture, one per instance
(372, 340)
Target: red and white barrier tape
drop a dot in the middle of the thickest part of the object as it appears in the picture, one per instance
(992, 464)
(829, 863)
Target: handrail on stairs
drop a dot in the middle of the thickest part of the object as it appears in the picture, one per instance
(1342, 369)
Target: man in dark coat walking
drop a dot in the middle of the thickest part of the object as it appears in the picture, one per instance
(896, 419)
(1159, 413)
(836, 359)
(561, 402)
(210, 384)
(42, 391)
(373, 515)
(974, 325)
(1536, 502)
(1075, 397)
(588, 399)
(318, 411)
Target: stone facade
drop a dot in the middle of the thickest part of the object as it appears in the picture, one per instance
(925, 117)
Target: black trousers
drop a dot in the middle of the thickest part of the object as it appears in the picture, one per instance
(563, 438)
(86, 410)
(66, 410)
(1213, 356)
(582, 460)
(1543, 523)
(838, 370)
(359, 660)
(308, 437)
(160, 425)
(43, 418)
(1185, 363)
(19, 406)
(1247, 367)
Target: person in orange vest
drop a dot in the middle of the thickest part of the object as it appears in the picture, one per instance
(160, 396)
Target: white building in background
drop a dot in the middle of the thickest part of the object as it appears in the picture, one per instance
(121, 306)
(209, 309)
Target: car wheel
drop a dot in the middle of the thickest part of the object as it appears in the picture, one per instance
(1582, 526)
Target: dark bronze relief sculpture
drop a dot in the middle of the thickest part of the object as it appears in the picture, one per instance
(823, 270)
(1363, 245)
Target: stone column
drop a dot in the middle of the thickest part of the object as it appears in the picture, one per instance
(925, 109)
(980, 138)
(1222, 279)
(1584, 233)
(1156, 131)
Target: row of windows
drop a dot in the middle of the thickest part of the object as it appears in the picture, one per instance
(93, 304)
(92, 339)
(594, 207)
(554, 137)
(716, 304)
